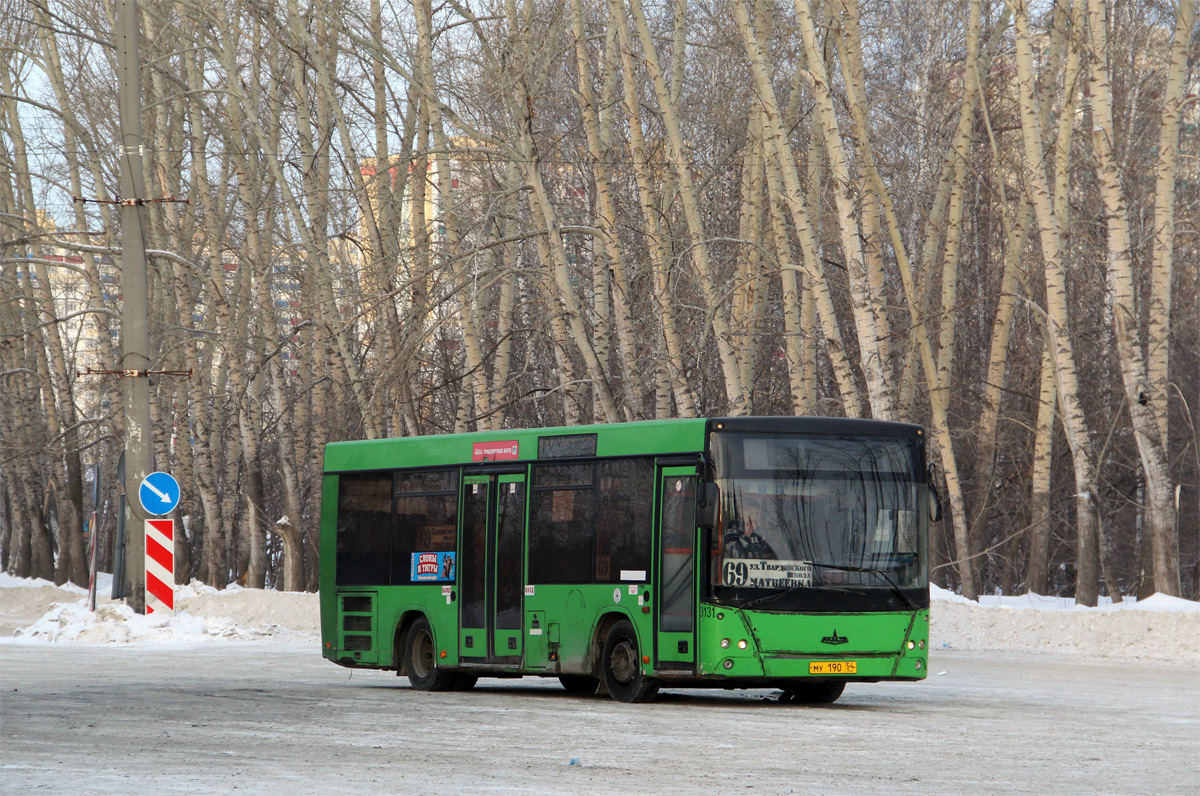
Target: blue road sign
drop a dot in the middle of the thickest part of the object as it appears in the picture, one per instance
(159, 493)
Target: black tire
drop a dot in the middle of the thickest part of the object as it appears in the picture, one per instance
(579, 683)
(421, 662)
(464, 682)
(622, 665)
(817, 692)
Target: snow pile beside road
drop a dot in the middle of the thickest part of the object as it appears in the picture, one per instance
(296, 611)
(38, 611)
(1160, 628)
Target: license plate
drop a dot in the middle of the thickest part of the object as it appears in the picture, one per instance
(833, 667)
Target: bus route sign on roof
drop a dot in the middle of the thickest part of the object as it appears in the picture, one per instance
(159, 493)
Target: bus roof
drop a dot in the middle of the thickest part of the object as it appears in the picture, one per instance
(641, 438)
(649, 437)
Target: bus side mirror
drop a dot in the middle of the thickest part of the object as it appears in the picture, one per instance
(710, 499)
(935, 497)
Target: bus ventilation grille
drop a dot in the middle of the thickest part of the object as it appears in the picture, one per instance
(361, 624)
(357, 603)
(357, 643)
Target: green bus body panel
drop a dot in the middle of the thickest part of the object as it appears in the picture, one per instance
(327, 548)
(863, 633)
(651, 437)
(783, 645)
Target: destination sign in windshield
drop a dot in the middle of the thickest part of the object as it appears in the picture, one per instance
(766, 574)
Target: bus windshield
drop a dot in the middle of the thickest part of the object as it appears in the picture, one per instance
(802, 512)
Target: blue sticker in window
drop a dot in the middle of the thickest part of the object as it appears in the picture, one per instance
(429, 567)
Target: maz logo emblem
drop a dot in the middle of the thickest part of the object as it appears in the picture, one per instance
(834, 639)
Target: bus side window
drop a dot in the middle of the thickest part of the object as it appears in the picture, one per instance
(363, 531)
(562, 513)
(624, 521)
(426, 519)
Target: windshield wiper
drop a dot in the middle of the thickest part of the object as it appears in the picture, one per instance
(886, 576)
(770, 598)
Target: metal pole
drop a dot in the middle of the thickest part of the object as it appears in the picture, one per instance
(135, 331)
(94, 538)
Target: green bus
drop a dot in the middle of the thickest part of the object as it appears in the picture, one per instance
(747, 552)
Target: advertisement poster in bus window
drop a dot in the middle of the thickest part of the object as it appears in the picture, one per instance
(430, 567)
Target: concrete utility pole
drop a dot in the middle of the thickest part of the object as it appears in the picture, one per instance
(135, 331)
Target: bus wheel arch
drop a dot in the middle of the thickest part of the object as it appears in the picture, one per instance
(621, 665)
(400, 640)
(599, 636)
(421, 659)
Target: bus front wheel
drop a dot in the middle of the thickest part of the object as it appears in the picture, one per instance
(420, 659)
(622, 666)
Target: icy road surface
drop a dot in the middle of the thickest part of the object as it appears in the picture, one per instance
(273, 718)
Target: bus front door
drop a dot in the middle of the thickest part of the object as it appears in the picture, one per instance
(490, 577)
(676, 580)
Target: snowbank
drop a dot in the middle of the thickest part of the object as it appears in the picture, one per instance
(33, 611)
(1160, 628)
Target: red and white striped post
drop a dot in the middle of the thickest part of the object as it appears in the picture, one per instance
(160, 566)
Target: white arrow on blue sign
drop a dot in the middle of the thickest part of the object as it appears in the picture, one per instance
(159, 493)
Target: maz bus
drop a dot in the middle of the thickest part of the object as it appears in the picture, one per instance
(726, 552)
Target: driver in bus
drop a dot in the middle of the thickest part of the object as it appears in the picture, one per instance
(742, 539)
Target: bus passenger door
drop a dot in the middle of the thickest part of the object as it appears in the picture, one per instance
(507, 589)
(478, 497)
(490, 576)
(676, 632)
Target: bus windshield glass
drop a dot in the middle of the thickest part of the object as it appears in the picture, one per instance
(800, 513)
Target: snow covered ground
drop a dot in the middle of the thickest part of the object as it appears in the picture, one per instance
(1161, 628)
(1025, 695)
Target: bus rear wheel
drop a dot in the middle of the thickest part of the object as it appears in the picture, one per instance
(420, 660)
(819, 692)
(622, 665)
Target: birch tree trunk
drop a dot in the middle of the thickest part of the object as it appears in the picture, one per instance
(868, 312)
(782, 174)
(620, 48)
(1038, 568)
(1160, 493)
(735, 390)
(938, 391)
(58, 397)
(1158, 335)
(1058, 317)
(606, 209)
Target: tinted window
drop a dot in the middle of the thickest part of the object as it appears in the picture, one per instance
(561, 526)
(563, 475)
(427, 481)
(364, 527)
(623, 525)
(511, 516)
(426, 518)
(678, 529)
